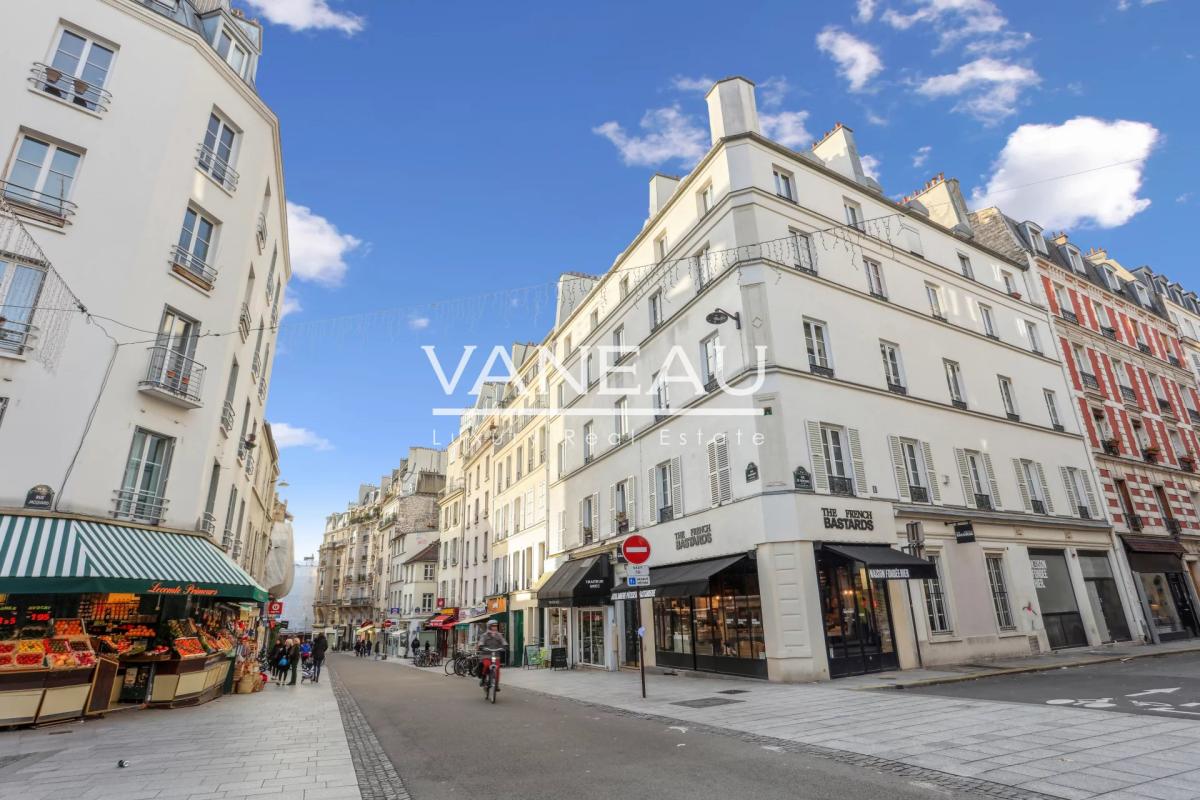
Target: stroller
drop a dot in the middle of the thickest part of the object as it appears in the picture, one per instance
(308, 670)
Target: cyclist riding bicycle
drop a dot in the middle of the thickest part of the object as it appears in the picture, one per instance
(493, 639)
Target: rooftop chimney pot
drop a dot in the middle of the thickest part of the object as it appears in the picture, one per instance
(731, 108)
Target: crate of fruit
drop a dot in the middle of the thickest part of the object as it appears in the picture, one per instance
(61, 660)
(30, 646)
(57, 646)
(29, 660)
(189, 647)
(82, 659)
(68, 627)
(7, 648)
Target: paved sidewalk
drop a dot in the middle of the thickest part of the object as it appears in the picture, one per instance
(1060, 752)
(283, 742)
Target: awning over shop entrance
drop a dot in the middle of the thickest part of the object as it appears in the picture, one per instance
(883, 562)
(40, 555)
(580, 582)
(443, 621)
(1152, 554)
(690, 579)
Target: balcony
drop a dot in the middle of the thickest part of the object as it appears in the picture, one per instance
(588, 536)
(215, 167)
(1150, 455)
(260, 235)
(249, 463)
(666, 513)
(841, 486)
(1058, 426)
(1084, 512)
(897, 388)
(192, 269)
(1128, 394)
(1108, 333)
(1134, 522)
(1013, 417)
(255, 367)
(1145, 348)
(817, 369)
(227, 540)
(139, 506)
(14, 336)
(1174, 361)
(1111, 447)
(1089, 381)
(75, 91)
(983, 501)
(1039, 506)
(39, 205)
(207, 523)
(244, 322)
(1194, 416)
(919, 494)
(173, 377)
(227, 417)
(1164, 406)
(1173, 527)
(1187, 463)
(1070, 316)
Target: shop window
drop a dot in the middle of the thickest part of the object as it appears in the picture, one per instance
(937, 609)
(999, 586)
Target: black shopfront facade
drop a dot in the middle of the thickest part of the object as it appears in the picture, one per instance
(708, 616)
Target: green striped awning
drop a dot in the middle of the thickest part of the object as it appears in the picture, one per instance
(52, 555)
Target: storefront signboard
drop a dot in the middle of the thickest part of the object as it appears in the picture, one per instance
(497, 605)
(40, 496)
(851, 519)
(889, 573)
(964, 532)
(634, 594)
(700, 535)
(751, 472)
(158, 587)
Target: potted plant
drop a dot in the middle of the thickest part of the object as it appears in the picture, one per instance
(1015, 295)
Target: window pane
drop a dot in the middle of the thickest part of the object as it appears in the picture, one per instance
(70, 49)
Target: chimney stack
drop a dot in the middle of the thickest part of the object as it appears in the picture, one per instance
(662, 187)
(731, 108)
(944, 200)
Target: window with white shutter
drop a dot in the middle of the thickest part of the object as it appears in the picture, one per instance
(720, 484)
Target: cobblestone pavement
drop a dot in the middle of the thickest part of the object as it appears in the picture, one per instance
(1057, 751)
(285, 742)
(377, 777)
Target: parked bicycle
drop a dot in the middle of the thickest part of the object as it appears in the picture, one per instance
(463, 664)
(428, 658)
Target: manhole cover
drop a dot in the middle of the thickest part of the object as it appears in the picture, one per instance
(733, 691)
(707, 702)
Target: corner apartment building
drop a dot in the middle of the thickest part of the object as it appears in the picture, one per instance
(345, 598)
(813, 366)
(186, 235)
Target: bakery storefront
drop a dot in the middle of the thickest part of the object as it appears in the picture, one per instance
(1164, 584)
(95, 617)
(708, 616)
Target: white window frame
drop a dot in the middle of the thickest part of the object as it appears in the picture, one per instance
(965, 267)
(17, 319)
(875, 282)
(834, 442)
(660, 247)
(893, 364)
(989, 321)
(41, 199)
(1035, 340)
(785, 184)
(235, 46)
(93, 98)
(149, 504)
(997, 574)
(954, 380)
(914, 462)
(710, 358)
(933, 293)
(661, 396)
(937, 601)
(854, 214)
(803, 253)
(1052, 407)
(705, 198)
(655, 306)
(817, 344)
(1010, 283)
(588, 445)
(1008, 395)
(621, 418)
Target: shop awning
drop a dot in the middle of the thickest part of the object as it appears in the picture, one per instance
(1153, 544)
(443, 621)
(42, 555)
(479, 618)
(579, 582)
(1151, 554)
(883, 562)
(687, 580)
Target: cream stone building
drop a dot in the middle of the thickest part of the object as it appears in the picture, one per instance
(164, 429)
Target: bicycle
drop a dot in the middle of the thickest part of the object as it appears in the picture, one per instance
(491, 678)
(428, 658)
(462, 664)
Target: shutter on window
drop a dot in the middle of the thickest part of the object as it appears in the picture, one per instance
(1022, 486)
(582, 522)
(612, 510)
(1045, 486)
(964, 475)
(1071, 497)
(596, 513)
(651, 488)
(860, 473)
(898, 466)
(631, 502)
(1093, 505)
(723, 479)
(820, 473)
(991, 475)
(676, 488)
(934, 493)
(714, 489)
(528, 508)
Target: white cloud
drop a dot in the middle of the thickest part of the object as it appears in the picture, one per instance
(922, 155)
(1183, 198)
(870, 166)
(772, 91)
(417, 323)
(317, 247)
(668, 135)
(291, 436)
(955, 20)
(857, 59)
(786, 127)
(1101, 163)
(291, 305)
(302, 15)
(990, 87)
(685, 84)
(876, 119)
(866, 10)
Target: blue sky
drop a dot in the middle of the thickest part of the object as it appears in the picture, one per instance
(445, 162)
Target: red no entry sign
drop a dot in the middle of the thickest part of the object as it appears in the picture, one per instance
(636, 549)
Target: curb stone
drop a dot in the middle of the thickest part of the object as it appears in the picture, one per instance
(377, 776)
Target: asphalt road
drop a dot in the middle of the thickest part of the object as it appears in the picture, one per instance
(1162, 686)
(447, 742)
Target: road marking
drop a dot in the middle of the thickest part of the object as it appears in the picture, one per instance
(1153, 691)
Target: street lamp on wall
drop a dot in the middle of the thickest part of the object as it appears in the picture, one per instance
(719, 316)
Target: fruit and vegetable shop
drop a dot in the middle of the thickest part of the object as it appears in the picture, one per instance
(96, 618)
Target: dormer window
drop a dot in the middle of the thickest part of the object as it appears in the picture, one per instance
(1142, 295)
(1076, 260)
(1035, 238)
(234, 54)
(1110, 278)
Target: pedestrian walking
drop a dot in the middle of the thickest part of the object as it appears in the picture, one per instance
(277, 653)
(281, 661)
(376, 649)
(415, 646)
(318, 655)
(293, 657)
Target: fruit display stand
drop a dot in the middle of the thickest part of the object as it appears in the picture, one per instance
(194, 676)
(45, 680)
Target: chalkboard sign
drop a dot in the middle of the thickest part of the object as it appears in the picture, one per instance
(558, 658)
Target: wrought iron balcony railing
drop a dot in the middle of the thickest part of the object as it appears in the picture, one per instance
(1089, 380)
(244, 322)
(14, 336)
(207, 523)
(1128, 394)
(74, 90)
(1108, 333)
(1070, 316)
(983, 502)
(227, 416)
(41, 204)
(1039, 506)
(139, 506)
(919, 494)
(174, 376)
(191, 267)
(841, 486)
(260, 233)
(217, 168)
(1134, 522)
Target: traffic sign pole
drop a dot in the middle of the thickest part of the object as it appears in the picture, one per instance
(641, 644)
